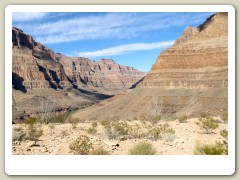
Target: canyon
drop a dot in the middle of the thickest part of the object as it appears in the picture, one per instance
(188, 78)
(40, 76)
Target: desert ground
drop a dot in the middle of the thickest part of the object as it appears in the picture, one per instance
(170, 137)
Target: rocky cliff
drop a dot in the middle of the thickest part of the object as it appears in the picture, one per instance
(188, 78)
(39, 74)
(105, 73)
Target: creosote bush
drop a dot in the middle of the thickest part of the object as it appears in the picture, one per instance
(210, 149)
(94, 124)
(225, 117)
(81, 145)
(99, 151)
(142, 148)
(116, 129)
(183, 119)
(208, 124)
(91, 131)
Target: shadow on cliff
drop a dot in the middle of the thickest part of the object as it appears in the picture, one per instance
(47, 77)
(17, 82)
(135, 85)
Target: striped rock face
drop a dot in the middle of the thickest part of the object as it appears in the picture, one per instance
(188, 78)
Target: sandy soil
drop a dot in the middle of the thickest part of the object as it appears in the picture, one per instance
(56, 138)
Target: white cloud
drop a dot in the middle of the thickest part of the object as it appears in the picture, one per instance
(125, 49)
(28, 16)
(103, 26)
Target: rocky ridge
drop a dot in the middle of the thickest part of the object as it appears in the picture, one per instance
(39, 74)
(188, 78)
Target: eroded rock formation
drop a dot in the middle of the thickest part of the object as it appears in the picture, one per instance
(188, 78)
(39, 74)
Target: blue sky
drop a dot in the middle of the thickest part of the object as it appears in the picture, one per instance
(133, 39)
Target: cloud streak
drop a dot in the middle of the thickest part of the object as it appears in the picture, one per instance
(125, 48)
(28, 16)
(102, 26)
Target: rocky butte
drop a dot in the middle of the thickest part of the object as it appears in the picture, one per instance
(188, 78)
(45, 81)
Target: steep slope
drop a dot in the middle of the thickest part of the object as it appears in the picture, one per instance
(40, 77)
(105, 73)
(188, 78)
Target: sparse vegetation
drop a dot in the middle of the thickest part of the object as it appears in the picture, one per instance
(224, 133)
(157, 132)
(143, 148)
(18, 135)
(33, 133)
(210, 149)
(225, 117)
(51, 126)
(94, 124)
(205, 115)
(116, 129)
(99, 151)
(81, 145)
(91, 131)
(208, 124)
(183, 119)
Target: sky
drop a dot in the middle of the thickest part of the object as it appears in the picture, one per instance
(131, 39)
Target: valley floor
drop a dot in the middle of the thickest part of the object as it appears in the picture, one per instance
(178, 138)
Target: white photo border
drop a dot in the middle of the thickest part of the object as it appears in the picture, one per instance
(119, 164)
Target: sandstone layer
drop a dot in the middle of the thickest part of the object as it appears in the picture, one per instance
(188, 78)
(40, 75)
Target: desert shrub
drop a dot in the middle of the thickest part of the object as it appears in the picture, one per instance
(31, 121)
(74, 126)
(18, 135)
(61, 118)
(224, 133)
(213, 149)
(135, 118)
(168, 137)
(155, 118)
(157, 132)
(105, 124)
(91, 131)
(81, 145)
(33, 133)
(99, 151)
(115, 118)
(204, 115)
(225, 117)
(143, 148)
(183, 119)
(116, 129)
(208, 125)
(94, 124)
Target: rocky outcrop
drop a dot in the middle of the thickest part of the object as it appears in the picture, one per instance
(40, 75)
(188, 78)
(105, 73)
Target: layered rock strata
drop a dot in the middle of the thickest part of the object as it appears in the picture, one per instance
(188, 78)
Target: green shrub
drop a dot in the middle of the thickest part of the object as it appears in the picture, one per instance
(91, 131)
(105, 124)
(224, 133)
(33, 133)
(183, 119)
(31, 121)
(116, 129)
(225, 117)
(143, 148)
(99, 151)
(157, 132)
(81, 145)
(74, 126)
(204, 115)
(209, 124)
(155, 119)
(18, 135)
(213, 149)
